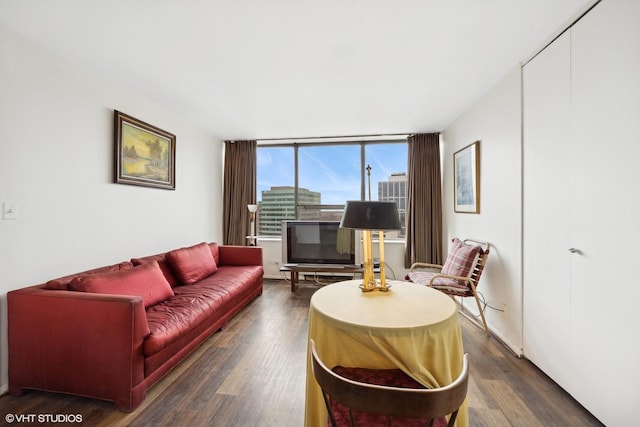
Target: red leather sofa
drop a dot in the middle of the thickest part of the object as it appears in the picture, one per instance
(112, 332)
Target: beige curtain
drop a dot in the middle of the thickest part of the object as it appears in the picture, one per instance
(424, 201)
(239, 190)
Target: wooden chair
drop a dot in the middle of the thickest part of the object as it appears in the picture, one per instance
(460, 274)
(371, 397)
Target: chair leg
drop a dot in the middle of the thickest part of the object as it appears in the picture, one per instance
(484, 321)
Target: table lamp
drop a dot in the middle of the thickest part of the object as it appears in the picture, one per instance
(369, 216)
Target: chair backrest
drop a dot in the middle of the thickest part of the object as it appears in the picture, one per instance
(477, 269)
(391, 401)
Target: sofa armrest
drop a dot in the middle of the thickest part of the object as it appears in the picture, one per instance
(240, 255)
(76, 342)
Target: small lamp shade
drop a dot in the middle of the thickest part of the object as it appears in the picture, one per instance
(370, 215)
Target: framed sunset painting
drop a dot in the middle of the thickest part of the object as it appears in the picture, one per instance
(144, 154)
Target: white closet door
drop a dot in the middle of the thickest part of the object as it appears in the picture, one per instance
(581, 148)
(547, 214)
(605, 88)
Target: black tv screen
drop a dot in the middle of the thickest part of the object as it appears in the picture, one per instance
(317, 242)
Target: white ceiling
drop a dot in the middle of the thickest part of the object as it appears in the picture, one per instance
(298, 68)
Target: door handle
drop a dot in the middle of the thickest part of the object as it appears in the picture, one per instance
(575, 251)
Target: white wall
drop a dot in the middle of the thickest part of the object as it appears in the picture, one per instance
(56, 145)
(495, 120)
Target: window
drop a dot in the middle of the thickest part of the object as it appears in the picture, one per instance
(276, 182)
(313, 181)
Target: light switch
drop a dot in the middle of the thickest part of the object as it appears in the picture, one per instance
(9, 210)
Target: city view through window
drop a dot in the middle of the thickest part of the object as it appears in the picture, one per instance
(328, 176)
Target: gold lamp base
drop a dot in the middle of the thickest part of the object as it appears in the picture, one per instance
(375, 288)
(369, 283)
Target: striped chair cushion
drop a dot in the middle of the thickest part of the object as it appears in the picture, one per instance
(451, 286)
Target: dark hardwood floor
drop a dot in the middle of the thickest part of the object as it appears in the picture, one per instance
(253, 374)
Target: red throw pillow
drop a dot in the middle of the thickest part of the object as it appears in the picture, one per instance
(192, 264)
(215, 251)
(162, 263)
(62, 283)
(145, 280)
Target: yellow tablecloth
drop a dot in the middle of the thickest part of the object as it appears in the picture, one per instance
(411, 327)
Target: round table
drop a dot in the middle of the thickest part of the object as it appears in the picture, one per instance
(411, 327)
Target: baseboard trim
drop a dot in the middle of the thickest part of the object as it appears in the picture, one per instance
(517, 352)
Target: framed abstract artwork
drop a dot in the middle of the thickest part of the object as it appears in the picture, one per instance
(466, 179)
(144, 154)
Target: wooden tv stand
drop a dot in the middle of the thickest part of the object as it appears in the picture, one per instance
(296, 269)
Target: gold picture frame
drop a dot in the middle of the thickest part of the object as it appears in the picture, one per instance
(466, 179)
(145, 155)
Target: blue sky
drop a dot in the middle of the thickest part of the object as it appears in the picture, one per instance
(332, 170)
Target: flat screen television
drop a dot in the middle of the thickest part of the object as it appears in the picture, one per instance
(317, 242)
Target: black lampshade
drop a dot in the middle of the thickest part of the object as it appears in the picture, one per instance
(370, 215)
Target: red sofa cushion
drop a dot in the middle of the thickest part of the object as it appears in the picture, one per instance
(210, 298)
(192, 264)
(145, 280)
(62, 283)
(190, 307)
